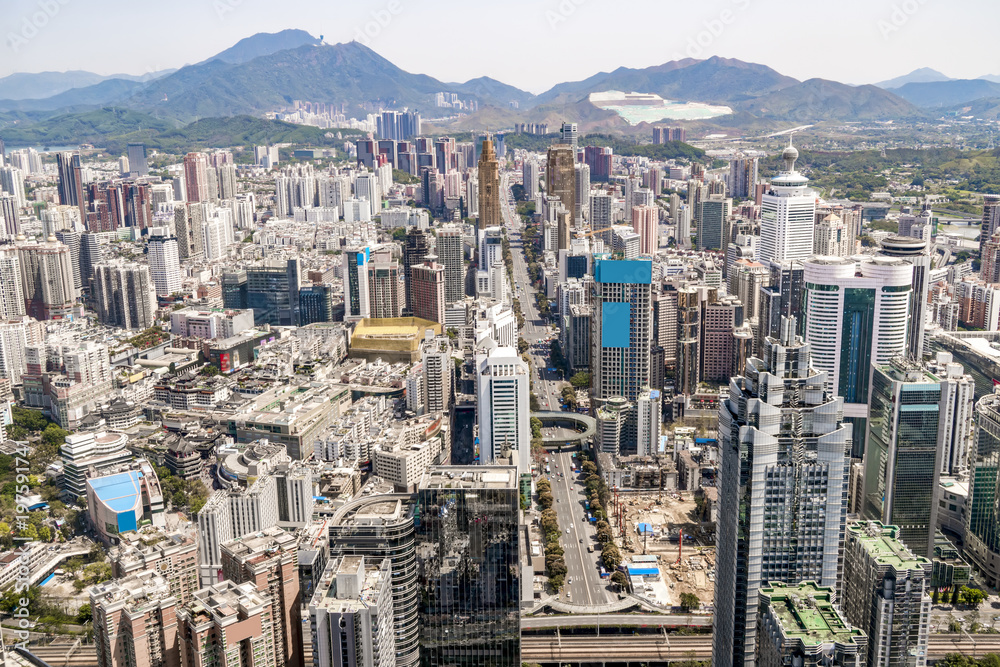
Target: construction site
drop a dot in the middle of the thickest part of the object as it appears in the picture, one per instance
(672, 528)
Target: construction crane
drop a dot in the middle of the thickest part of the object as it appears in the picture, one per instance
(680, 547)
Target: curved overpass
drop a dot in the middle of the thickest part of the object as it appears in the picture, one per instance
(584, 425)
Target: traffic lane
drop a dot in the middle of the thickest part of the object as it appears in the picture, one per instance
(590, 583)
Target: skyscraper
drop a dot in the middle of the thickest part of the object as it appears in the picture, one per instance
(645, 223)
(715, 211)
(428, 286)
(468, 566)
(568, 134)
(196, 177)
(356, 294)
(10, 216)
(125, 295)
(600, 216)
(11, 288)
(742, 176)
(856, 315)
(560, 175)
(489, 187)
(886, 594)
(416, 246)
(385, 286)
(504, 418)
(135, 622)
(71, 182)
(164, 263)
(991, 216)
(227, 624)
(915, 252)
(982, 534)
(137, 160)
(529, 177)
(901, 461)
(788, 212)
(621, 334)
(47, 279)
(783, 488)
(581, 208)
(450, 251)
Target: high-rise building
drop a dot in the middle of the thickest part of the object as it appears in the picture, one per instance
(581, 208)
(196, 177)
(832, 237)
(416, 247)
(788, 212)
(71, 191)
(621, 333)
(125, 295)
(135, 622)
(12, 305)
(504, 418)
(385, 286)
(164, 263)
(227, 624)
(428, 288)
(71, 239)
(47, 282)
(856, 315)
(560, 175)
(10, 216)
(720, 318)
(12, 183)
(714, 215)
(356, 292)
(600, 216)
(645, 223)
(742, 176)
(270, 288)
(351, 614)
(268, 561)
(649, 416)
(468, 566)
(783, 488)
(378, 528)
(175, 558)
(450, 251)
(489, 187)
(800, 625)
(991, 216)
(915, 252)
(957, 413)
(887, 594)
(982, 533)
(569, 134)
(137, 160)
(530, 175)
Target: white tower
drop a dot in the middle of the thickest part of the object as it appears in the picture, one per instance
(788, 213)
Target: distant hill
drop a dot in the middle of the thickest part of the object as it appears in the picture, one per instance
(987, 108)
(937, 94)
(43, 85)
(88, 127)
(264, 44)
(819, 99)
(99, 94)
(922, 75)
(717, 80)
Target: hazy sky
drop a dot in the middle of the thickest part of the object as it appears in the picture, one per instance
(531, 44)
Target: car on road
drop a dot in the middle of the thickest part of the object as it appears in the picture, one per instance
(581, 540)
(570, 581)
(567, 531)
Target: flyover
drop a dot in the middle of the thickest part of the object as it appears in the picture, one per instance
(584, 425)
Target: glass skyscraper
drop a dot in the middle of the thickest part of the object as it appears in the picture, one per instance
(982, 535)
(466, 523)
(901, 465)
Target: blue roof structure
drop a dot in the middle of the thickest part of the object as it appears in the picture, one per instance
(642, 571)
(118, 492)
(645, 528)
(629, 271)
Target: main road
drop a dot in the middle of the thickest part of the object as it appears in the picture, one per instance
(583, 581)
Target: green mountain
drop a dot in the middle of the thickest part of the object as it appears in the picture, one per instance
(264, 44)
(938, 94)
(99, 94)
(819, 99)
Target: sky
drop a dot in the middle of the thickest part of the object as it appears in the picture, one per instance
(529, 44)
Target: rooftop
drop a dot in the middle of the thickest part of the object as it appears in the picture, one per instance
(806, 612)
(469, 477)
(883, 543)
(118, 492)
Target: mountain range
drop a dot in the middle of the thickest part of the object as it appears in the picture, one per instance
(268, 71)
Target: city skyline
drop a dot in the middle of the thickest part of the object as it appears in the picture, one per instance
(50, 37)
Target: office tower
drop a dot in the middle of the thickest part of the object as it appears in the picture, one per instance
(600, 216)
(135, 622)
(982, 534)
(569, 135)
(47, 279)
(270, 288)
(10, 216)
(564, 222)
(227, 624)
(742, 176)
(439, 371)
(428, 287)
(991, 216)
(783, 297)
(188, 222)
(356, 293)
(800, 625)
(665, 322)
(649, 415)
(468, 566)
(351, 614)
(886, 594)
(71, 240)
(856, 315)
(915, 252)
(746, 282)
(957, 413)
(721, 316)
(560, 175)
(502, 380)
(385, 286)
(582, 204)
(611, 418)
(12, 182)
(901, 461)
(378, 527)
(196, 177)
(645, 223)
(451, 251)
(832, 238)
(783, 488)
(137, 160)
(125, 295)
(529, 176)
(164, 263)
(11, 287)
(689, 323)
(788, 213)
(316, 303)
(600, 161)
(71, 191)
(416, 247)
(715, 211)
(268, 561)
(431, 192)
(683, 225)
(621, 333)
(489, 187)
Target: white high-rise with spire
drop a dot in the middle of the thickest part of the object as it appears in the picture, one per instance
(788, 214)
